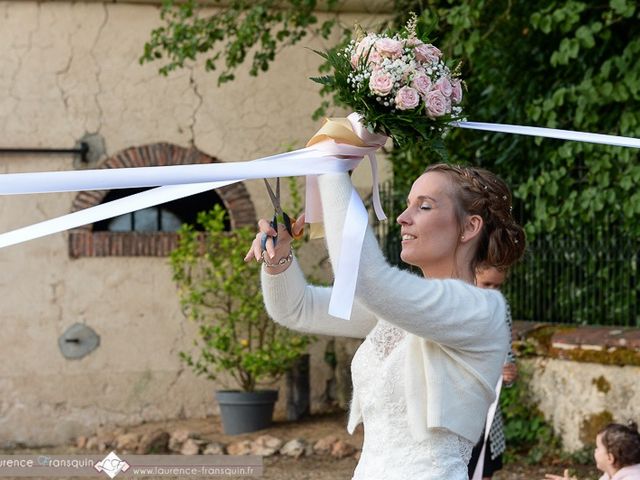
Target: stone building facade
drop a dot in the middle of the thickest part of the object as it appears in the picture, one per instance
(70, 73)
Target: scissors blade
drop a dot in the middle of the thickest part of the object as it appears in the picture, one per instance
(272, 196)
(275, 197)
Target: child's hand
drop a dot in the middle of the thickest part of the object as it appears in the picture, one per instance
(566, 476)
(509, 372)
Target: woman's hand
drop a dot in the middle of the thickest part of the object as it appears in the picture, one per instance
(509, 372)
(566, 476)
(280, 250)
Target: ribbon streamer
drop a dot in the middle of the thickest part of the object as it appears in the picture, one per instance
(299, 162)
(138, 201)
(552, 133)
(328, 153)
(355, 228)
(339, 146)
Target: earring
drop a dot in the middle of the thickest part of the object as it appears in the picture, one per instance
(462, 238)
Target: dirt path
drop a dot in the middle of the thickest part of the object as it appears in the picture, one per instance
(314, 467)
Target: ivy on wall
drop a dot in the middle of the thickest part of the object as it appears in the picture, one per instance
(225, 36)
(571, 65)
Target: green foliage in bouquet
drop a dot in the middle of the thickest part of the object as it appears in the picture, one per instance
(221, 294)
(399, 83)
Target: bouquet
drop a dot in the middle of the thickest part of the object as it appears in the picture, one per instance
(398, 83)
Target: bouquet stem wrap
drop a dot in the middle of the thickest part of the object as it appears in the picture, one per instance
(345, 137)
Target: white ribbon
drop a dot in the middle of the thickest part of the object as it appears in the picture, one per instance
(370, 143)
(180, 181)
(103, 211)
(299, 162)
(344, 285)
(552, 133)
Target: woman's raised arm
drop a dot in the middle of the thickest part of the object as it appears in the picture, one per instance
(449, 311)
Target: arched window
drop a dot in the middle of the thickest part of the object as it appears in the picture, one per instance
(167, 217)
(152, 231)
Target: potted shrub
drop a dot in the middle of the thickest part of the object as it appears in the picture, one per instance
(221, 293)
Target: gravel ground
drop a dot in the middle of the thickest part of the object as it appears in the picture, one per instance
(313, 467)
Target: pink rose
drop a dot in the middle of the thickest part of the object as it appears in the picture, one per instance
(436, 104)
(422, 83)
(427, 53)
(447, 107)
(444, 85)
(407, 98)
(365, 45)
(420, 70)
(362, 50)
(374, 58)
(380, 83)
(355, 59)
(413, 42)
(456, 91)
(388, 47)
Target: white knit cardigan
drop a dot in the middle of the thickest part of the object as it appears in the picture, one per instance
(457, 335)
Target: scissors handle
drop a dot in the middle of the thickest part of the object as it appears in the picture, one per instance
(286, 220)
(288, 225)
(274, 225)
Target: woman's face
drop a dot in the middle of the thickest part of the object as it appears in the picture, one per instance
(430, 229)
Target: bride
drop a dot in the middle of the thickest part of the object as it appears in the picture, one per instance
(424, 377)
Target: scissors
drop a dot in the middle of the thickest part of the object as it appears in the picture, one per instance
(278, 214)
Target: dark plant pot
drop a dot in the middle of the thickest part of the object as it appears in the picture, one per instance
(243, 412)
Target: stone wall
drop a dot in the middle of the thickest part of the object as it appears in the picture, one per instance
(581, 377)
(70, 72)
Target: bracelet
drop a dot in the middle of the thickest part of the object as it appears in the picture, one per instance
(279, 263)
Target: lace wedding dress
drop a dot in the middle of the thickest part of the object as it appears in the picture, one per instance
(389, 451)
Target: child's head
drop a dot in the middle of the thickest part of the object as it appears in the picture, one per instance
(617, 446)
(490, 277)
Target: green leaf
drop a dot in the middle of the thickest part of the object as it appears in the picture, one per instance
(585, 35)
(328, 80)
(623, 7)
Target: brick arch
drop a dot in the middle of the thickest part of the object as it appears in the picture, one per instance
(83, 241)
